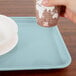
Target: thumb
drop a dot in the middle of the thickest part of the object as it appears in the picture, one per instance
(53, 2)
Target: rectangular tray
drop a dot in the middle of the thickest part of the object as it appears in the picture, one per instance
(38, 48)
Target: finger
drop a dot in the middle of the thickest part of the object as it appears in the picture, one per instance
(70, 15)
(54, 2)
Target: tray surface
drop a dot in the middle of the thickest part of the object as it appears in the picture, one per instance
(38, 48)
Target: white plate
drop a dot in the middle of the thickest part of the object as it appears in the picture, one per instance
(9, 46)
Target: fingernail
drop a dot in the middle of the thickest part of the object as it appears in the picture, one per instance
(44, 2)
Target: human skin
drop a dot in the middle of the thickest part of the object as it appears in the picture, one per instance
(70, 11)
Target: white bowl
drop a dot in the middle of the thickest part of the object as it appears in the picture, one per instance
(8, 34)
(9, 45)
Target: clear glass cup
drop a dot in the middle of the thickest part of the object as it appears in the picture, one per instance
(47, 16)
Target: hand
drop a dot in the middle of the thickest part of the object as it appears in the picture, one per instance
(70, 11)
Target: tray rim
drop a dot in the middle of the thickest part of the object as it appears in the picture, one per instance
(43, 68)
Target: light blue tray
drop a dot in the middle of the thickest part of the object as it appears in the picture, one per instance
(38, 48)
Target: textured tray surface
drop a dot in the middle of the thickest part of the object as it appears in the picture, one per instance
(38, 48)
